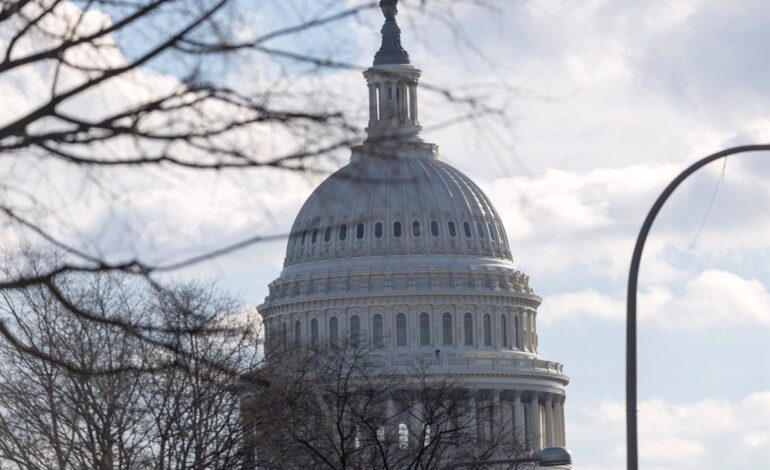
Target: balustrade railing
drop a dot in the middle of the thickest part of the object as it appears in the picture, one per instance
(468, 363)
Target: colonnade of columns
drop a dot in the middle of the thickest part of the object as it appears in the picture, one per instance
(529, 420)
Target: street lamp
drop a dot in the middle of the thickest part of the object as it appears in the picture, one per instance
(632, 450)
(548, 457)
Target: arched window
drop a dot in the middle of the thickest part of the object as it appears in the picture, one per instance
(334, 330)
(517, 331)
(434, 228)
(328, 234)
(360, 231)
(304, 233)
(446, 328)
(504, 331)
(491, 231)
(467, 229)
(284, 335)
(397, 229)
(400, 329)
(416, 228)
(487, 330)
(355, 330)
(468, 329)
(343, 232)
(378, 327)
(297, 334)
(378, 230)
(315, 236)
(314, 331)
(424, 329)
(480, 229)
(452, 230)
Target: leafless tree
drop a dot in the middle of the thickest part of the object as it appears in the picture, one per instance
(137, 417)
(340, 408)
(114, 89)
(194, 407)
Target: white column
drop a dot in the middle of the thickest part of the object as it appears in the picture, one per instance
(525, 330)
(549, 421)
(391, 420)
(507, 417)
(473, 412)
(372, 102)
(519, 433)
(383, 101)
(562, 429)
(534, 417)
(416, 423)
(497, 414)
(413, 101)
(557, 424)
(404, 89)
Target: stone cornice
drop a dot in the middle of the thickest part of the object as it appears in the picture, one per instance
(398, 282)
(369, 299)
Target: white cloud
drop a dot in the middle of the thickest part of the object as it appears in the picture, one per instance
(713, 299)
(588, 303)
(709, 433)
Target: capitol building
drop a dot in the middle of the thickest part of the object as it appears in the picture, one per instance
(403, 252)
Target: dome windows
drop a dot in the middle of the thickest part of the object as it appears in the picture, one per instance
(504, 331)
(400, 329)
(376, 230)
(314, 331)
(434, 228)
(467, 229)
(378, 327)
(446, 328)
(468, 329)
(334, 330)
(355, 330)
(487, 330)
(424, 329)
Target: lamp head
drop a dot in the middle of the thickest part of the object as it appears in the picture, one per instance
(553, 456)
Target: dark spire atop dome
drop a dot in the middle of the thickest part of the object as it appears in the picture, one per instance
(391, 51)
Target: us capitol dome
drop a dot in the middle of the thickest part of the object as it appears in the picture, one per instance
(402, 251)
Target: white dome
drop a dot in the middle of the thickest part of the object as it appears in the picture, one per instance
(403, 255)
(403, 201)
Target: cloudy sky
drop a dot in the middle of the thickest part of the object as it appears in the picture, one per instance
(608, 100)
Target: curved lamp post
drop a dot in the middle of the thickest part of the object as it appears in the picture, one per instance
(632, 454)
(548, 457)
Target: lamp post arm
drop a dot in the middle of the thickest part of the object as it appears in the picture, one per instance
(633, 279)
